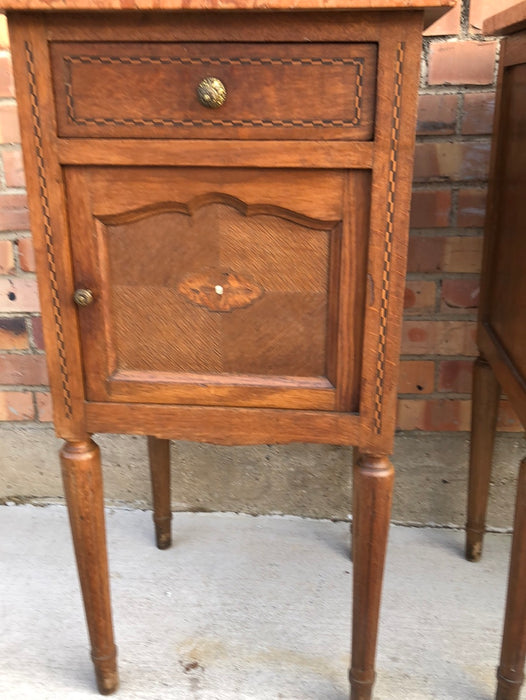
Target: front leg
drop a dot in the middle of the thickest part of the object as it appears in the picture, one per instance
(511, 669)
(82, 477)
(372, 497)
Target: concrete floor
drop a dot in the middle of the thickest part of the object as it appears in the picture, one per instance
(246, 608)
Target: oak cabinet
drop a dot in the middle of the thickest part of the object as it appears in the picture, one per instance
(501, 333)
(219, 203)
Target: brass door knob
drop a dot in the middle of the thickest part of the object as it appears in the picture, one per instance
(211, 92)
(83, 297)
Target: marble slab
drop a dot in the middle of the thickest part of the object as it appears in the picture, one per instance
(443, 5)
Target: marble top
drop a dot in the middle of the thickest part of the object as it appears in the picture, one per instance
(436, 7)
(507, 21)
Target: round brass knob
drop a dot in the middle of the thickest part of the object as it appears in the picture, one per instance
(83, 297)
(211, 92)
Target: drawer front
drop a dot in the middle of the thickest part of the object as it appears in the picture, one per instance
(273, 91)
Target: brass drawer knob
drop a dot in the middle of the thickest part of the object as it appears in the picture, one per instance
(83, 297)
(211, 92)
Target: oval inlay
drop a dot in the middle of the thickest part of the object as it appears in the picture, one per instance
(220, 290)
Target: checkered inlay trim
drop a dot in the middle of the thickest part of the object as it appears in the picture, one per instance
(48, 234)
(353, 121)
(388, 242)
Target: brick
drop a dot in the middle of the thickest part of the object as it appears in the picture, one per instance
(425, 253)
(451, 161)
(462, 63)
(28, 370)
(416, 377)
(444, 254)
(26, 254)
(38, 336)
(13, 334)
(437, 114)
(479, 10)
(455, 376)
(430, 208)
(507, 419)
(7, 86)
(14, 168)
(409, 413)
(14, 213)
(9, 126)
(462, 254)
(44, 406)
(471, 208)
(434, 414)
(478, 112)
(460, 294)
(7, 259)
(438, 338)
(18, 295)
(4, 34)
(420, 296)
(16, 406)
(447, 24)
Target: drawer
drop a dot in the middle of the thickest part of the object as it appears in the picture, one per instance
(304, 91)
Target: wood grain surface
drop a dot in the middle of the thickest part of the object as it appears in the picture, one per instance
(246, 264)
(503, 288)
(297, 91)
(500, 336)
(144, 332)
(508, 21)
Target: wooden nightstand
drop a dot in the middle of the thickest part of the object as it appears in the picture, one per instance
(219, 202)
(501, 332)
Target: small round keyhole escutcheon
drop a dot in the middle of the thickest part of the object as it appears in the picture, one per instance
(211, 92)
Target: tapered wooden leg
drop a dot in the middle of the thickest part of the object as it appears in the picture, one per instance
(159, 452)
(486, 392)
(355, 458)
(82, 476)
(511, 670)
(372, 497)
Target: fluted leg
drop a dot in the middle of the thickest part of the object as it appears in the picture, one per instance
(82, 476)
(159, 453)
(372, 496)
(486, 392)
(511, 670)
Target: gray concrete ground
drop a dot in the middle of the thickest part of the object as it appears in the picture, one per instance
(246, 608)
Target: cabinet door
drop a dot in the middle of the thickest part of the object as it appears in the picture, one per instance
(219, 286)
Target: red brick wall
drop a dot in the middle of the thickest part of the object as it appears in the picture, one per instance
(451, 167)
(452, 155)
